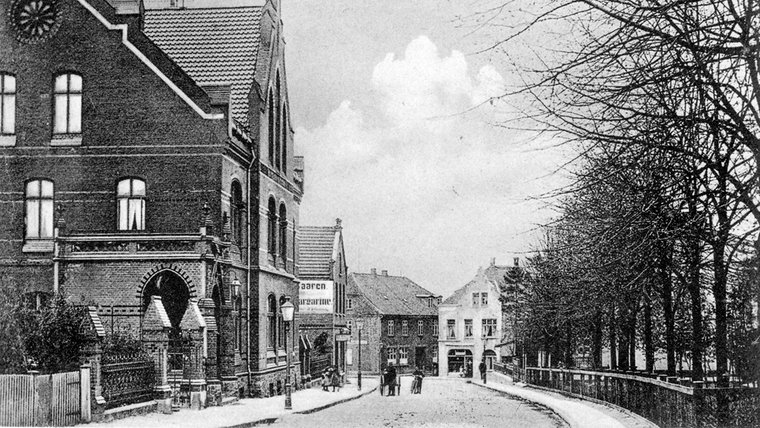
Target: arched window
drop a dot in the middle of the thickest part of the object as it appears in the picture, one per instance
(130, 194)
(271, 114)
(67, 118)
(272, 228)
(39, 209)
(285, 138)
(272, 321)
(278, 123)
(236, 212)
(281, 326)
(7, 104)
(283, 235)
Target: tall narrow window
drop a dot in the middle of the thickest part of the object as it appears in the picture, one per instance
(467, 328)
(278, 123)
(272, 229)
(435, 328)
(475, 299)
(271, 114)
(391, 328)
(403, 355)
(285, 138)
(236, 212)
(405, 328)
(484, 299)
(420, 328)
(272, 321)
(451, 327)
(7, 104)
(283, 235)
(130, 194)
(391, 355)
(489, 327)
(39, 209)
(68, 104)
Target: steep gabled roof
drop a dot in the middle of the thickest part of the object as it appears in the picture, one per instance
(494, 275)
(318, 250)
(214, 46)
(393, 295)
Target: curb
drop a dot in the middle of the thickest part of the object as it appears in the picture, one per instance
(335, 403)
(269, 421)
(554, 412)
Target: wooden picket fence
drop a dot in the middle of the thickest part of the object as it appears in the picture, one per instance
(45, 400)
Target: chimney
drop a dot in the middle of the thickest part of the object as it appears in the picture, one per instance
(493, 261)
(517, 261)
(385, 272)
(127, 7)
(374, 271)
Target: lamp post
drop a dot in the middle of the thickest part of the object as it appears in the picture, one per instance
(360, 325)
(287, 309)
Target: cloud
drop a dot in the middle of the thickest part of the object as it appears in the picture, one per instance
(427, 187)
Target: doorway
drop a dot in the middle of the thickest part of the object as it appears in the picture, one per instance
(419, 357)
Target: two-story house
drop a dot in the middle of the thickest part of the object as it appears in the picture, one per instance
(398, 320)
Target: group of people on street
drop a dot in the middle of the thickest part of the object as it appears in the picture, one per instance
(389, 380)
(331, 376)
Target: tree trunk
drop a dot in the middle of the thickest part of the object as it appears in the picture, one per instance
(613, 340)
(632, 342)
(696, 309)
(648, 345)
(597, 345)
(666, 283)
(625, 336)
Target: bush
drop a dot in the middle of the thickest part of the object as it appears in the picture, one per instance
(47, 339)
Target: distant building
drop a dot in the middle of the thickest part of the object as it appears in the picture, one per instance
(400, 323)
(322, 298)
(473, 326)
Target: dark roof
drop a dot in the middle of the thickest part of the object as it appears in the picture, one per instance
(494, 274)
(393, 295)
(214, 46)
(318, 247)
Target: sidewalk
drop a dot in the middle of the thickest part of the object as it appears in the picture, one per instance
(576, 412)
(248, 411)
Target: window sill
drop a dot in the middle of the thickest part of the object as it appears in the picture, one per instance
(41, 246)
(7, 140)
(66, 140)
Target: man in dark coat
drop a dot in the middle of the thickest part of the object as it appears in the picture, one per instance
(390, 379)
(482, 369)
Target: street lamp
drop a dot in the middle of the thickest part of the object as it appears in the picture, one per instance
(235, 287)
(359, 326)
(287, 309)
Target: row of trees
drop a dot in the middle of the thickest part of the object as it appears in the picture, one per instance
(656, 247)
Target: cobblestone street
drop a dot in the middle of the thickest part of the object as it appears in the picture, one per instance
(443, 403)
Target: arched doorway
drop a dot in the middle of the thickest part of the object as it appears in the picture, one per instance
(175, 296)
(460, 361)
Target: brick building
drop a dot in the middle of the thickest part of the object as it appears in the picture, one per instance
(322, 298)
(399, 323)
(147, 150)
(473, 325)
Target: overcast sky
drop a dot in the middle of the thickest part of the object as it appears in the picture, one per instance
(387, 99)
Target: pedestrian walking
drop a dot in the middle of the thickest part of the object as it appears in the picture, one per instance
(482, 369)
(335, 379)
(326, 379)
(390, 379)
(417, 382)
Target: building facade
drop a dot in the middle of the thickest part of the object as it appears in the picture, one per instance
(146, 152)
(322, 298)
(399, 323)
(472, 324)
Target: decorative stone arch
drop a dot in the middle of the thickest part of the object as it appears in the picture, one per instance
(148, 281)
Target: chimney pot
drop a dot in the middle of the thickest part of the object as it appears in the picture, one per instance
(385, 272)
(374, 271)
(517, 261)
(493, 261)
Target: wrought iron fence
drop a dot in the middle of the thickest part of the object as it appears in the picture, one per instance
(128, 382)
(664, 403)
